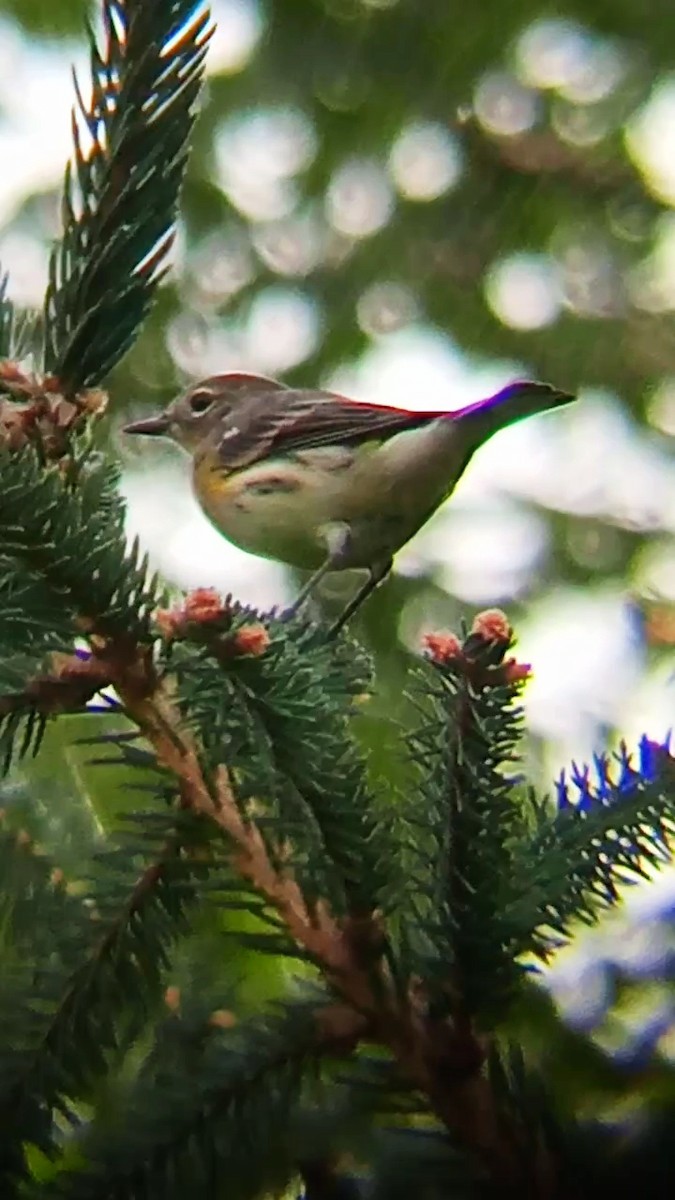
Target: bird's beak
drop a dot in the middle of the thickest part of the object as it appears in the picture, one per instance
(152, 426)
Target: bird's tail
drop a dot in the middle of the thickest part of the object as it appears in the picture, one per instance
(525, 398)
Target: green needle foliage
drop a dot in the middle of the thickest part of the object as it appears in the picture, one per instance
(268, 711)
(263, 971)
(120, 197)
(42, 522)
(6, 319)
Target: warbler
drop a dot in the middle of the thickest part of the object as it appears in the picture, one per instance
(320, 482)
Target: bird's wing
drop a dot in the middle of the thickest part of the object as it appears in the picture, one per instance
(289, 421)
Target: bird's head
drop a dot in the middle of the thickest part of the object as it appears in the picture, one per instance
(192, 417)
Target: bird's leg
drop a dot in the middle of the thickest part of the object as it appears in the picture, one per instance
(338, 540)
(376, 576)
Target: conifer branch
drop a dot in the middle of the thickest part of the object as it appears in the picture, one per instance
(234, 1121)
(28, 698)
(292, 691)
(17, 329)
(114, 958)
(66, 687)
(44, 926)
(7, 320)
(120, 194)
(577, 861)
(464, 822)
(74, 538)
(317, 932)
(441, 1060)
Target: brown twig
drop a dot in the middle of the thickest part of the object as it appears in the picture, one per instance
(67, 687)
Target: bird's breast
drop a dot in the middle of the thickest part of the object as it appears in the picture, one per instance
(276, 508)
(280, 508)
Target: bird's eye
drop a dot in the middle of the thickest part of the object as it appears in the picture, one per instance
(200, 402)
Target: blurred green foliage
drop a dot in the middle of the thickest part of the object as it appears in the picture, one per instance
(46, 18)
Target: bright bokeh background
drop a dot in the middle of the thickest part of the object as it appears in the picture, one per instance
(415, 209)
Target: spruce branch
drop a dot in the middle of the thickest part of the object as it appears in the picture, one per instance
(617, 828)
(43, 928)
(268, 693)
(74, 538)
(441, 1059)
(7, 320)
(463, 822)
(30, 622)
(299, 693)
(216, 1107)
(120, 194)
(17, 329)
(111, 963)
(315, 931)
(29, 697)
(67, 686)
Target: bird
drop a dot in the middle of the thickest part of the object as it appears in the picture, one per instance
(324, 483)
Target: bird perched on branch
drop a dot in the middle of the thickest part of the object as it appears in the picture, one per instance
(320, 482)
